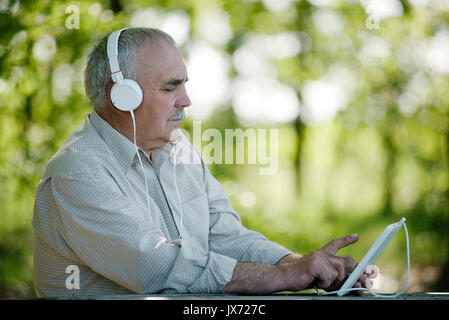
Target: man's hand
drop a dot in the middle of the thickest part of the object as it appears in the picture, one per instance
(322, 268)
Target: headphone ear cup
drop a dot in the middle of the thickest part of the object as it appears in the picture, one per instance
(126, 95)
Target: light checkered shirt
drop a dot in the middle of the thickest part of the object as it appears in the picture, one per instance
(91, 211)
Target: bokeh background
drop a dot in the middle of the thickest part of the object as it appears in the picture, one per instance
(358, 91)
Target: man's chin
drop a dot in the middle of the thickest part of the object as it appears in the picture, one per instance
(174, 135)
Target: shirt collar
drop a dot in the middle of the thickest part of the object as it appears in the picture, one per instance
(123, 149)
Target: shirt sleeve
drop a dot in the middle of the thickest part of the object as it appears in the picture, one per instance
(113, 237)
(227, 234)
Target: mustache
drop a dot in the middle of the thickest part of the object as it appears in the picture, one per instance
(179, 114)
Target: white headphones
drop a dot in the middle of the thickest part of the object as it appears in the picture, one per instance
(126, 94)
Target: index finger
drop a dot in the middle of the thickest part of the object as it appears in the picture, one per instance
(336, 244)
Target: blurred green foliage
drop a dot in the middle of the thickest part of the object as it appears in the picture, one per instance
(383, 156)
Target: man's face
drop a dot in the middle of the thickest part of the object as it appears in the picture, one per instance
(162, 76)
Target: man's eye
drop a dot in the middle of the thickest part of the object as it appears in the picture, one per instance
(168, 89)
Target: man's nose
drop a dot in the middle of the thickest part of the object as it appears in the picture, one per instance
(184, 100)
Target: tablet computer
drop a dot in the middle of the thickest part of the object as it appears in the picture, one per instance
(371, 256)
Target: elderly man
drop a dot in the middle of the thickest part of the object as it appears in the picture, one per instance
(114, 206)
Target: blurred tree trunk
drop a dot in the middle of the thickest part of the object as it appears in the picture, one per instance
(390, 164)
(388, 177)
(299, 127)
(27, 120)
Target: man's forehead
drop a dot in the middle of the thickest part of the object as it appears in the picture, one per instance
(164, 62)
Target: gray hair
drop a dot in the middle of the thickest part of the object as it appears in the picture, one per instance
(97, 74)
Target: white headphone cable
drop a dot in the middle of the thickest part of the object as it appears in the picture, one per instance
(140, 161)
(376, 294)
(145, 176)
(176, 188)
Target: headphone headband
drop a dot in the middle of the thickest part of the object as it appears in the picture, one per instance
(112, 49)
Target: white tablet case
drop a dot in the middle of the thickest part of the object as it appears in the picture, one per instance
(372, 254)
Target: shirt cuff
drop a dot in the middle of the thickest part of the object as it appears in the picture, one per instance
(216, 275)
(268, 252)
